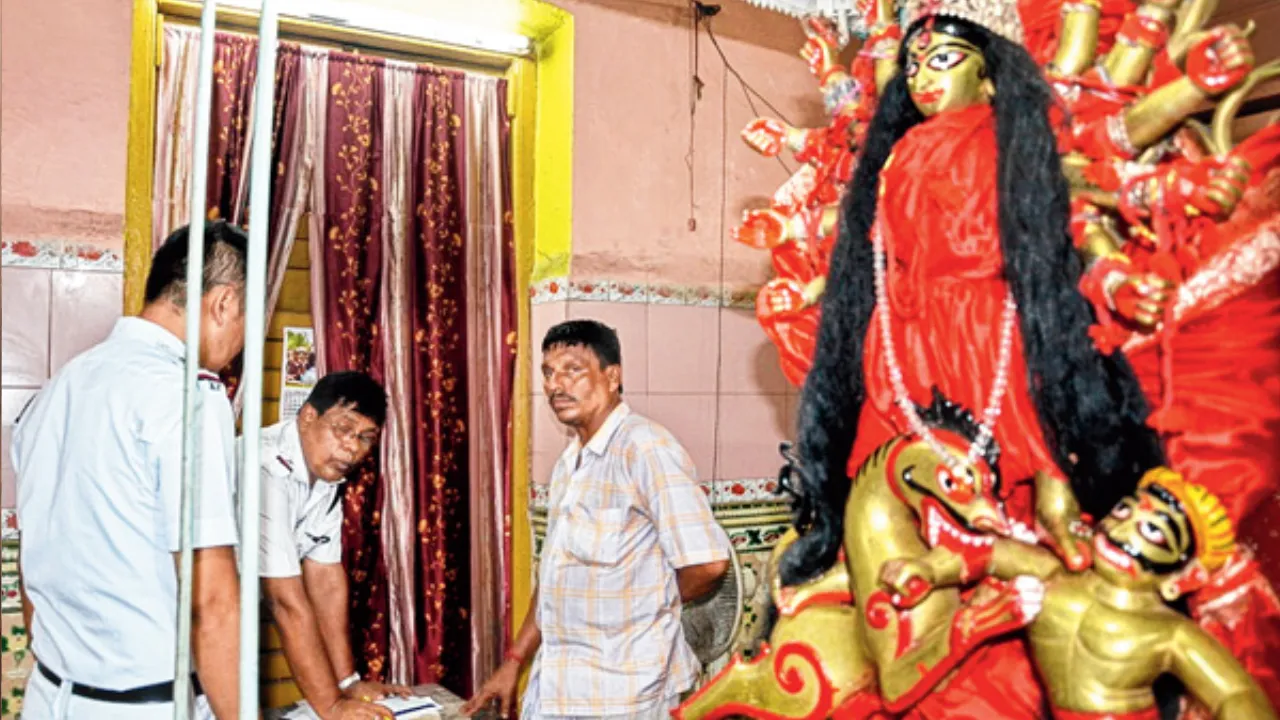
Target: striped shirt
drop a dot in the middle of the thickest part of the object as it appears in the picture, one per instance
(625, 512)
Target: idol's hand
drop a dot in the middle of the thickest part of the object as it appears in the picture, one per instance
(762, 229)
(767, 136)
(1141, 298)
(1059, 522)
(821, 48)
(1070, 542)
(1220, 60)
(780, 299)
(1212, 186)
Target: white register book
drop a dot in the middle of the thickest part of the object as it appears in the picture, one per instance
(414, 707)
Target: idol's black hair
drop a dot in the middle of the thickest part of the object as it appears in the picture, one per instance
(1091, 409)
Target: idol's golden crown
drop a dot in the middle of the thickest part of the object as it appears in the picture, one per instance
(998, 16)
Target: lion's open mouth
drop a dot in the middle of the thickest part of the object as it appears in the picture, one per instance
(942, 527)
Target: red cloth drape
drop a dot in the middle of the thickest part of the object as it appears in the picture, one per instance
(352, 251)
(439, 379)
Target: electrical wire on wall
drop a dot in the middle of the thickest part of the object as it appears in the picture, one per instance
(695, 94)
(700, 15)
(747, 91)
(701, 19)
(724, 300)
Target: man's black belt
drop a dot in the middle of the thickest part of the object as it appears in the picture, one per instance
(158, 693)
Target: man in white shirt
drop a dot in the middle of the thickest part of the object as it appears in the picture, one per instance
(98, 457)
(304, 463)
(630, 537)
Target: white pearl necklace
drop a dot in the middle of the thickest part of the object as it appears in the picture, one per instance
(978, 448)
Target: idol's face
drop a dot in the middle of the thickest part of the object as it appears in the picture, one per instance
(1144, 540)
(944, 72)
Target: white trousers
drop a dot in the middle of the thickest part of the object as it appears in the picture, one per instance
(46, 701)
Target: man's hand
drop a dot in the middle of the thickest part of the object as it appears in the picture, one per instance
(348, 709)
(500, 686)
(367, 690)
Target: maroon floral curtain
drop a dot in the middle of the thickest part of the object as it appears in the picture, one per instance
(235, 75)
(439, 379)
(352, 252)
(235, 70)
(286, 118)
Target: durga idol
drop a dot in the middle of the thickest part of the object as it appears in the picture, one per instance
(955, 269)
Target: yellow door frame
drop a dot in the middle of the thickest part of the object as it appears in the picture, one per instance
(541, 102)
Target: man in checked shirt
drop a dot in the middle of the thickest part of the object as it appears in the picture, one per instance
(630, 537)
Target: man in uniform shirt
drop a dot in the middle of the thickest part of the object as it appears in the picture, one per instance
(304, 463)
(98, 456)
(630, 536)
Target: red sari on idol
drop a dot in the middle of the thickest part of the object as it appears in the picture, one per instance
(938, 216)
(937, 213)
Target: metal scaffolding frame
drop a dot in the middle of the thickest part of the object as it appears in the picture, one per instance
(255, 331)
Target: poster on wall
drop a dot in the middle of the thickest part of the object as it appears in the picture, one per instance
(297, 370)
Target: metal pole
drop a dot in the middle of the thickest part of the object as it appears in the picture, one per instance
(260, 176)
(191, 410)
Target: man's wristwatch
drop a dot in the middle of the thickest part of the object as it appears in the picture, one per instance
(348, 681)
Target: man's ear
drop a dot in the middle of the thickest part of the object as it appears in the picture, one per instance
(307, 415)
(614, 373)
(225, 303)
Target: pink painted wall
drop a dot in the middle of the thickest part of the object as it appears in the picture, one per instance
(65, 80)
(631, 137)
(64, 96)
(703, 370)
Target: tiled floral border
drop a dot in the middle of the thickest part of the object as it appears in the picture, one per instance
(15, 661)
(623, 291)
(722, 492)
(59, 255)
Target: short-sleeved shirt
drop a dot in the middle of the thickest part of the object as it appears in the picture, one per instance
(98, 457)
(625, 513)
(301, 518)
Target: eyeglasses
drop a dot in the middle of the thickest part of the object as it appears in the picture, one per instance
(346, 432)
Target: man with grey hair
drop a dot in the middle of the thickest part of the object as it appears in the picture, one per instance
(98, 458)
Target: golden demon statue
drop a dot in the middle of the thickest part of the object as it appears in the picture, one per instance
(1099, 638)
(1105, 634)
(840, 646)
